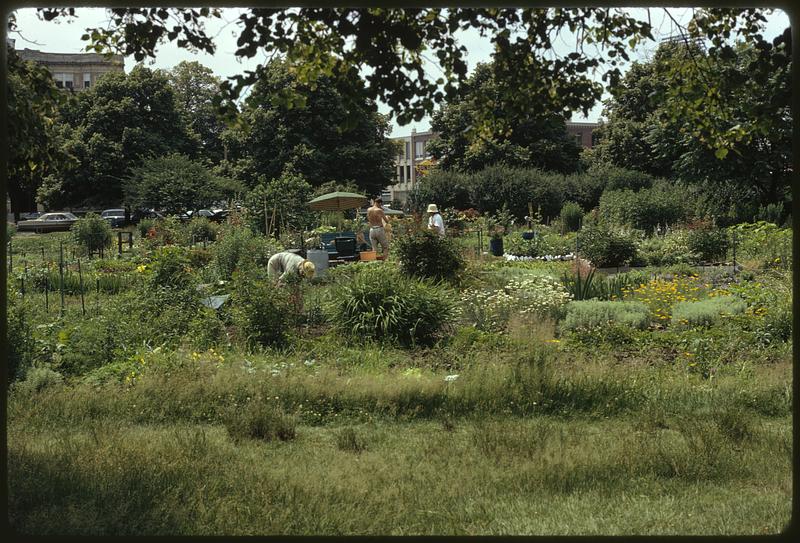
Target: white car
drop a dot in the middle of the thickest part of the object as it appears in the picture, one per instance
(48, 222)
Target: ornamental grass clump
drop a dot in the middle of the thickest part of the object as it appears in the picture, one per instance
(381, 303)
(706, 312)
(592, 314)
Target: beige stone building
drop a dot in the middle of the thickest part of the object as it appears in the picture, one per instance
(77, 71)
(407, 162)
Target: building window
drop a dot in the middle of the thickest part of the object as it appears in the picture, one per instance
(408, 173)
(408, 153)
(419, 150)
(579, 139)
(402, 174)
(87, 81)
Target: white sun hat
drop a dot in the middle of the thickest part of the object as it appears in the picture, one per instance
(433, 209)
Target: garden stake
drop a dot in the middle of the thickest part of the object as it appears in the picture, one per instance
(119, 242)
(80, 283)
(734, 252)
(61, 275)
(42, 254)
(10, 257)
(46, 289)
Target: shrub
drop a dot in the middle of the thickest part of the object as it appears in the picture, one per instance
(144, 226)
(604, 247)
(169, 267)
(590, 314)
(37, 379)
(382, 304)
(92, 233)
(349, 440)
(486, 310)
(206, 330)
(427, 255)
(764, 243)
(236, 245)
(88, 344)
(672, 248)
(515, 244)
(261, 311)
(708, 244)
(706, 312)
(200, 228)
(647, 208)
(259, 419)
(571, 217)
(19, 334)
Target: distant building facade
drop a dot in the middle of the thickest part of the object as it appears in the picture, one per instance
(407, 162)
(76, 71)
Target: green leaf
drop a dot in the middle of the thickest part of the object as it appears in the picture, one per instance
(721, 153)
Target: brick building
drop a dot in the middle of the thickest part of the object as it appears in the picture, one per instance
(77, 71)
(407, 163)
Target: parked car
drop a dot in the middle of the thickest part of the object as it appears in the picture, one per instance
(139, 214)
(115, 217)
(48, 222)
(30, 215)
(214, 215)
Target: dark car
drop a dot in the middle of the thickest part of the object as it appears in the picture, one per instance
(140, 214)
(214, 215)
(115, 217)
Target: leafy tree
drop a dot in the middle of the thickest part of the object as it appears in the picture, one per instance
(174, 183)
(535, 142)
(34, 146)
(654, 124)
(115, 125)
(393, 45)
(281, 203)
(195, 87)
(313, 136)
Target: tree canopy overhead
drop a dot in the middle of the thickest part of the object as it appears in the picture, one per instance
(391, 47)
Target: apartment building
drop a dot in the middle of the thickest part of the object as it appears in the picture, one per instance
(407, 162)
(75, 71)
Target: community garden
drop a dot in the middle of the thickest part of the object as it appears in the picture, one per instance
(592, 380)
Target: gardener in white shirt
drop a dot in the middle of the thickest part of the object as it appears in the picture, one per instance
(435, 221)
(288, 265)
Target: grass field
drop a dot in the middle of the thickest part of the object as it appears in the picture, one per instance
(329, 450)
(131, 420)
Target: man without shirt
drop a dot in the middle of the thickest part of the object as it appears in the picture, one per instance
(377, 227)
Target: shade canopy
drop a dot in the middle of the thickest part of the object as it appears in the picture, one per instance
(393, 212)
(337, 201)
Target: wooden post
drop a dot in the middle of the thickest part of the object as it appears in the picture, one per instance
(47, 289)
(266, 220)
(61, 275)
(80, 283)
(119, 244)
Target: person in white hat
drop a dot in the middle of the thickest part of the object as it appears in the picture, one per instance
(435, 221)
(287, 265)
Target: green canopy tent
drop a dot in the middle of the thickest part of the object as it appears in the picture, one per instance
(338, 201)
